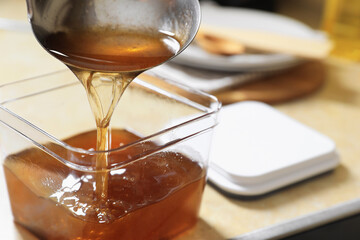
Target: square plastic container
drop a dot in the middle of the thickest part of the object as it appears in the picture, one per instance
(156, 172)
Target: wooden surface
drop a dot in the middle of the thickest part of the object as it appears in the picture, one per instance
(294, 83)
(333, 110)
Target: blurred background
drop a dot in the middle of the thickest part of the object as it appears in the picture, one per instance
(307, 11)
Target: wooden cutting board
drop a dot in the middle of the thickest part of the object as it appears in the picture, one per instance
(294, 83)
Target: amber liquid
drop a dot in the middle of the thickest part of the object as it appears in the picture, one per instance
(106, 61)
(155, 198)
(112, 51)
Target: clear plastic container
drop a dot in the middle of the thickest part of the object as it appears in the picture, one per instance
(157, 165)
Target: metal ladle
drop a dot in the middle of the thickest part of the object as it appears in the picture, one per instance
(180, 17)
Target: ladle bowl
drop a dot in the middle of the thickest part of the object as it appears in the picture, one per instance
(178, 17)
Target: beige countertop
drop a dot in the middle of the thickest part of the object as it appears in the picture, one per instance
(334, 110)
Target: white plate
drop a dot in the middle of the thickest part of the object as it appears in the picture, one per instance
(248, 20)
(257, 149)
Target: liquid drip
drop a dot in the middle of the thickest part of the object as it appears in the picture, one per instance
(106, 61)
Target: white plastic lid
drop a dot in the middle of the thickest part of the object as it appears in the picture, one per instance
(257, 149)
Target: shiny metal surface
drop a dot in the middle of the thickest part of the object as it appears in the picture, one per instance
(180, 17)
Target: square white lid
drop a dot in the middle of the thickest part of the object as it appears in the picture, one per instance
(257, 149)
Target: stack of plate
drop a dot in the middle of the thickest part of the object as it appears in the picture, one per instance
(209, 72)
